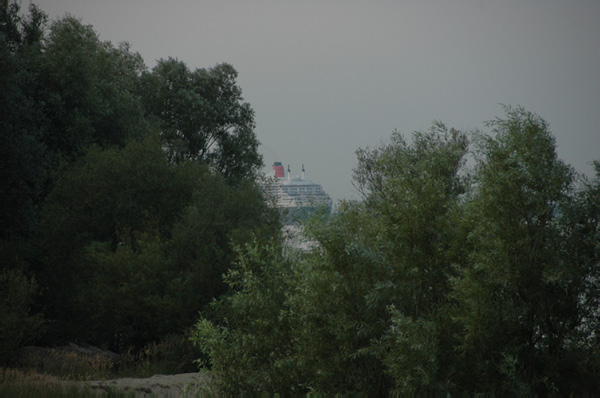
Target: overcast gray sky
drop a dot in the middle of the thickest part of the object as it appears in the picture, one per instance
(326, 77)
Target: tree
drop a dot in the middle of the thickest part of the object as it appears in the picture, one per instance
(135, 246)
(382, 268)
(519, 296)
(88, 87)
(22, 151)
(220, 217)
(202, 116)
(106, 200)
(23, 166)
(339, 305)
(416, 193)
(129, 298)
(580, 228)
(90, 203)
(249, 343)
(61, 91)
(443, 279)
(377, 271)
(10, 20)
(18, 326)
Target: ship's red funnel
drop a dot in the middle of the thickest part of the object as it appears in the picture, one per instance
(279, 170)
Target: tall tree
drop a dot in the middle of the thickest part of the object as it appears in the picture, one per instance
(415, 192)
(203, 117)
(440, 280)
(23, 154)
(387, 262)
(23, 168)
(395, 249)
(413, 189)
(90, 203)
(519, 296)
(62, 91)
(111, 197)
(249, 343)
(135, 246)
(88, 88)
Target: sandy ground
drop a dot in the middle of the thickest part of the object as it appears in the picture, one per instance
(160, 386)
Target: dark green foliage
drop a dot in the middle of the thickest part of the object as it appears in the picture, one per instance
(109, 197)
(23, 157)
(392, 250)
(114, 191)
(126, 245)
(249, 342)
(202, 116)
(60, 91)
(138, 245)
(88, 87)
(339, 307)
(443, 279)
(128, 297)
(201, 248)
(18, 325)
(23, 168)
(520, 294)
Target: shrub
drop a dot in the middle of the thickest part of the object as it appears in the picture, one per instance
(18, 326)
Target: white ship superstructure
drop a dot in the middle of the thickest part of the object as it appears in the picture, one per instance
(298, 196)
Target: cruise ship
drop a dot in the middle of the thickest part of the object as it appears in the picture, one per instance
(296, 196)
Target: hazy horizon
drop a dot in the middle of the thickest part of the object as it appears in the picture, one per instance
(327, 78)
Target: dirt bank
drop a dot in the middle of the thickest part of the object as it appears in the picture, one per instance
(19, 383)
(163, 386)
(76, 363)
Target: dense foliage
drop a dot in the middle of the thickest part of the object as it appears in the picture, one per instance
(19, 326)
(217, 127)
(444, 278)
(120, 207)
(130, 204)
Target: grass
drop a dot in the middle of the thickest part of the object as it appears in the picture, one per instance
(15, 383)
(60, 372)
(173, 355)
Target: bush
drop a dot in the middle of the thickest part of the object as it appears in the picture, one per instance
(248, 339)
(17, 325)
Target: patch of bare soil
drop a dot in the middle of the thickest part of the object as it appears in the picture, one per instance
(163, 386)
(72, 360)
